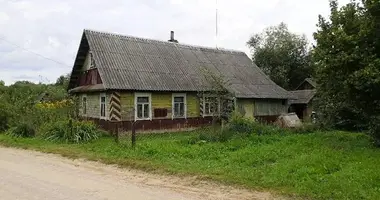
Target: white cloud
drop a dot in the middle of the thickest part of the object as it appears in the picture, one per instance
(4, 18)
(53, 28)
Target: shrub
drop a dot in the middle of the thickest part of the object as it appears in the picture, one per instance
(248, 126)
(70, 131)
(3, 121)
(241, 124)
(238, 126)
(22, 130)
(4, 118)
(374, 130)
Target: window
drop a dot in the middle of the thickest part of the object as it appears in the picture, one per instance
(102, 105)
(179, 105)
(143, 107)
(211, 105)
(84, 104)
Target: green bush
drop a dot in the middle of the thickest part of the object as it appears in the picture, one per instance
(5, 117)
(238, 126)
(241, 124)
(22, 130)
(70, 131)
(3, 121)
(374, 130)
(248, 126)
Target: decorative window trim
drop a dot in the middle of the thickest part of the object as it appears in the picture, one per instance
(185, 105)
(105, 106)
(204, 106)
(149, 95)
(84, 108)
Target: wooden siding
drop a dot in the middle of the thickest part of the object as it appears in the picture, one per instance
(127, 100)
(162, 101)
(93, 105)
(246, 107)
(89, 77)
(269, 107)
(193, 109)
(307, 112)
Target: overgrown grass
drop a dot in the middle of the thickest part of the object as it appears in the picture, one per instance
(330, 165)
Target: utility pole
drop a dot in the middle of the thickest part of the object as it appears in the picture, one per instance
(216, 23)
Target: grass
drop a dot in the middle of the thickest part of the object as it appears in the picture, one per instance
(330, 165)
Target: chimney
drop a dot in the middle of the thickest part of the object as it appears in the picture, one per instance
(172, 37)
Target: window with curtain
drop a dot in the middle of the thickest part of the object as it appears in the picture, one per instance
(143, 107)
(179, 105)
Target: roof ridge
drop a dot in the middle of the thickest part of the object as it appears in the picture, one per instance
(163, 41)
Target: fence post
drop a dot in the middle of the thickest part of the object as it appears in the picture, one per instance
(133, 134)
(116, 125)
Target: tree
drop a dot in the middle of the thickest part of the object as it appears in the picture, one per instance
(2, 83)
(63, 80)
(219, 100)
(283, 56)
(348, 66)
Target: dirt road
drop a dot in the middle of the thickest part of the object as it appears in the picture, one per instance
(29, 175)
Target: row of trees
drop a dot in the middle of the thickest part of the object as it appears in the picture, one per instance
(345, 61)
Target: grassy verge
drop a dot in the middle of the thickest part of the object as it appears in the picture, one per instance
(332, 165)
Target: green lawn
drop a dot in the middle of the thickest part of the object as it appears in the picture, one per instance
(332, 165)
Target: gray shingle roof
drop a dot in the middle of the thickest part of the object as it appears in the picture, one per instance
(307, 80)
(303, 96)
(311, 81)
(132, 63)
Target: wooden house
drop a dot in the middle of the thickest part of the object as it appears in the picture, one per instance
(123, 79)
(302, 105)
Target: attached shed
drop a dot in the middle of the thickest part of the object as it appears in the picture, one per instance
(303, 104)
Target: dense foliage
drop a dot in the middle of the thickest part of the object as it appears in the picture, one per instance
(282, 55)
(347, 55)
(19, 100)
(4, 117)
(22, 130)
(243, 127)
(70, 131)
(29, 109)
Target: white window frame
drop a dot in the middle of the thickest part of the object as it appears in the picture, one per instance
(105, 106)
(83, 113)
(185, 105)
(204, 106)
(149, 95)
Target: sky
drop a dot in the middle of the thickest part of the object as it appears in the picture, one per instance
(39, 39)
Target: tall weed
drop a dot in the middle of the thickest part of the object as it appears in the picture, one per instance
(22, 130)
(70, 131)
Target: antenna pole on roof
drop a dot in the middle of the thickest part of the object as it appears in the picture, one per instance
(216, 23)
